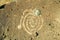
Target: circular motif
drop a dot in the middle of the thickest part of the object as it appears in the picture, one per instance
(30, 22)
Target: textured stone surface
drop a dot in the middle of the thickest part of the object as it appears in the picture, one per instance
(6, 1)
(14, 20)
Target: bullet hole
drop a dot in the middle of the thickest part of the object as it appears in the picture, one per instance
(59, 1)
(49, 24)
(4, 36)
(37, 34)
(3, 33)
(15, 39)
(8, 29)
(11, 9)
(7, 15)
(31, 38)
(2, 6)
(10, 39)
(43, 7)
(58, 34)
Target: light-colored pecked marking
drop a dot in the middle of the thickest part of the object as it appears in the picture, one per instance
(31, 22)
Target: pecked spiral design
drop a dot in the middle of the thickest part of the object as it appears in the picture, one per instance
(30, 22)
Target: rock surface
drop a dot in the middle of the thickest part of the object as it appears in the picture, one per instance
(18, 24)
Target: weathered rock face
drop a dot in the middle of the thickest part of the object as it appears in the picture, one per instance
(30, 20)
(2, 2)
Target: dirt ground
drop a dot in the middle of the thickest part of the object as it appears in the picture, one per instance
(19, 22)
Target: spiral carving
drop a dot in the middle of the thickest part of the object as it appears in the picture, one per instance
(30, 21)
